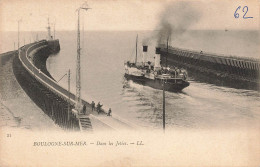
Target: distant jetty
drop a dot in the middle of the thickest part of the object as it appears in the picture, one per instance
(231, 71)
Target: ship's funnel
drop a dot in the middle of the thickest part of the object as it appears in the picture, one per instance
(145, 49)
(157, 58)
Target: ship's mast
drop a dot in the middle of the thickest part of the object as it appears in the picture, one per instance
(166, 57)
(136, 49)
(49, 30)
(54, 29)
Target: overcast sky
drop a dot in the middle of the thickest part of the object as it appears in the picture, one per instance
(120, 14)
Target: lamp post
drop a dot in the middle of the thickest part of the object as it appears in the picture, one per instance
(69, 94)
(164, 81)
(78, 77)
(163, 105)
(68, 74)
(18, 40)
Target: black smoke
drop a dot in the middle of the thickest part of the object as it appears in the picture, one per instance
(175, 19)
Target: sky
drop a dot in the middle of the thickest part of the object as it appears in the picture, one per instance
(122, 15)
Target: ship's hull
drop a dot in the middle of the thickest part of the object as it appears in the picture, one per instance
(157, 83)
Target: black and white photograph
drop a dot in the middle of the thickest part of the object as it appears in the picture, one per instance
(129, 83)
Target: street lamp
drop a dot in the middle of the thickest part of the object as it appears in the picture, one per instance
(18, 40)
(78, 82)
(164, 105)
(69, 94)
(68, 74)
(164, 81)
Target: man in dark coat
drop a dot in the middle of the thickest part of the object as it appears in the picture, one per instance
(93, 106)
(84, 109)
(99, 107)
(109, 112)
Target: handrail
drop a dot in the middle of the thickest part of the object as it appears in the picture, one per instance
(38, 78)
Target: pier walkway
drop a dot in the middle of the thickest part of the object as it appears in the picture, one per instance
(86, 122)
(25, 55)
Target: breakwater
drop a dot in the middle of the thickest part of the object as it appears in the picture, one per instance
(228, 71)
(29, 68)
(6, 56)
(57, 102)
(17, 108)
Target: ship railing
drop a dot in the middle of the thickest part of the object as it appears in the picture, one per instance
(170, 77)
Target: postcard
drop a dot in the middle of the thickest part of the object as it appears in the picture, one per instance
(129, 83)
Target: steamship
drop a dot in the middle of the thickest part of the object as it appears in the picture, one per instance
(154, 75)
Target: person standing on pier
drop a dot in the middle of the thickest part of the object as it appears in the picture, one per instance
(99, 107)
(84, 109)
(109, 112)
(93, 106)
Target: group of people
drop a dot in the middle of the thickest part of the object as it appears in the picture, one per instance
(174, 71)
(99, 108)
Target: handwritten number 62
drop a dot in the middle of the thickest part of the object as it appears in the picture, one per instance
(245, 10)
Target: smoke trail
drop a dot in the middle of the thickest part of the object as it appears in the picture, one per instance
(175, 19)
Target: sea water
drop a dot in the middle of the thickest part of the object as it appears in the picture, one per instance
(198, 106)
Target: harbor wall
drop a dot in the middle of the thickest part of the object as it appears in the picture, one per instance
(222, 70)
(56, 107)
(4, 57)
